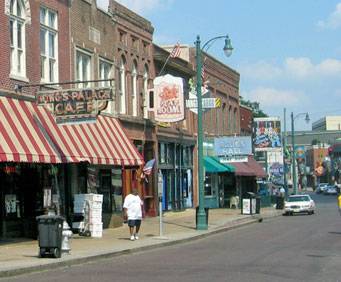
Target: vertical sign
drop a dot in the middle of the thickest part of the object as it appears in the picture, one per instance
(267, 134)
(169, 99)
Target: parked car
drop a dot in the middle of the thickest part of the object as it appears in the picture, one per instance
(330, 190)
(320, 187)
(299, 204)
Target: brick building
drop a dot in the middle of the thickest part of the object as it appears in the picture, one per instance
(246, 119)
(34, 44)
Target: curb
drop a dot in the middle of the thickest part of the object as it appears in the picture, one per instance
(77, 261)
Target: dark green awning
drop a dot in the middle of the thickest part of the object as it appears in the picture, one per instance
(212, 165)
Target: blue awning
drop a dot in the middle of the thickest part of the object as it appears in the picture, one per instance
(212, 165)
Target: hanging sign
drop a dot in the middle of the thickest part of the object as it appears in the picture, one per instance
(169, 98)
(75, 103)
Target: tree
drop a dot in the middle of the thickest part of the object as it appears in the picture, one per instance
(256, 111)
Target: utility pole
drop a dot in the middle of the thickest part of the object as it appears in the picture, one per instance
(285, 181)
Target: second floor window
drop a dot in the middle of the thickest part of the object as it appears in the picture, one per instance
(105, 69)
(122, 87)
(104, 72)
(134, 89)
(83, 68)
(17, 38)
(48, 45)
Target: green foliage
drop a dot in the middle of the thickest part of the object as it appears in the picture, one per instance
(256, 111)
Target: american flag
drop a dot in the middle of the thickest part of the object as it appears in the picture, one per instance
(203, 70)
(148, 167)
(176, 51)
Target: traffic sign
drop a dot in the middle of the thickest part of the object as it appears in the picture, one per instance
(207, 103)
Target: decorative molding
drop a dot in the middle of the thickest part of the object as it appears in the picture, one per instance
(26, 3)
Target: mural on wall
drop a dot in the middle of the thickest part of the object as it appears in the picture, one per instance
(267, 134)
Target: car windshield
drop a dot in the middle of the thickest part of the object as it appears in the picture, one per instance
(298, 199)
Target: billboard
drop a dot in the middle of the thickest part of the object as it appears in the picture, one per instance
(169, 98)
(267, 134)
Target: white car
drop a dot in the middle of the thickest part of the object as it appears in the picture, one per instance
(299, 204)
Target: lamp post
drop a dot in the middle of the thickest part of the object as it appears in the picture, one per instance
(307, 119)
(201, 216)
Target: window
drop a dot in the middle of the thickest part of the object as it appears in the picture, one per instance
(83, 68)
(105, 68)
(145, 89)
(134, 89)
(17, 38)
(105, 72)
(135, 43)
(48, 45)
(122, 86)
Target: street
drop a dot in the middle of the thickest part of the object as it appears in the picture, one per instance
(286, 248)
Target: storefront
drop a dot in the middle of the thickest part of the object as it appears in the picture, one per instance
(218, 179)
(42, 165)
(176, 167)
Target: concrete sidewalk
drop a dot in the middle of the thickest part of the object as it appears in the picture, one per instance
(22, 257)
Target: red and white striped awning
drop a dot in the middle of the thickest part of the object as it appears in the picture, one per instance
(29, 133)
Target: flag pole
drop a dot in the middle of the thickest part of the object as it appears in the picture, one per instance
(164, 65)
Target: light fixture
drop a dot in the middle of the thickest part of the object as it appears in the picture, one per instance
(307, 118)
(228, 47)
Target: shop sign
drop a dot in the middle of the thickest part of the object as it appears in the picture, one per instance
(75, 103)
(233, 146)
(169, 98)
(267, 134)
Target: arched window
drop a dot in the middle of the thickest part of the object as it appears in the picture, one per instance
(235, 121)
(122, 86)
(134, 88)
(17, 38)
(145, 91)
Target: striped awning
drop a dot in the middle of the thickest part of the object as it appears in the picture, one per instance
(29, 133)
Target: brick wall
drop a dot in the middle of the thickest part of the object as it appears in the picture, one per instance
(223, 83)
(32, 30)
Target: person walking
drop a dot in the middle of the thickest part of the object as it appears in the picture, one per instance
(133, 212)
(339, 202)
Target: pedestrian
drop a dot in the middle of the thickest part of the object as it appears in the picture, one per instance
(133, 212)
(339, 202)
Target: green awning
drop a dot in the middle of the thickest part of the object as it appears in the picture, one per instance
(212, 165)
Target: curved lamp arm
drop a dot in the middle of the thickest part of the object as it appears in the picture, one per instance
(227, 47)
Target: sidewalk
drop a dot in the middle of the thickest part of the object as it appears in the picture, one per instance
(22, 257)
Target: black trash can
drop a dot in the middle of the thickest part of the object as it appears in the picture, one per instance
(196, 215)
(50, 229)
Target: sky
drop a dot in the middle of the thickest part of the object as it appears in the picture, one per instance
(288, 53)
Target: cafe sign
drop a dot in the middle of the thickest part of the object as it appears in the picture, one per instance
(75, 103)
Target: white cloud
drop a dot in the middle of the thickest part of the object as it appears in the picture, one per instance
(333, 21)
(292, 69)
(261, 70)
(271, 97)
(304, 68)
(138, 6)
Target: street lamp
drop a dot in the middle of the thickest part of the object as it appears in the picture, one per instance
(307, 119)
(201, 216)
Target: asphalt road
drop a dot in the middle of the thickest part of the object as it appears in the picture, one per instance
(288, 248)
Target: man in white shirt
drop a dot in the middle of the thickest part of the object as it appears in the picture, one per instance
(133, 212)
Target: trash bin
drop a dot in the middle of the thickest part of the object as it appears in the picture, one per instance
(196, 215)
(50, 229)
(249, 203)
